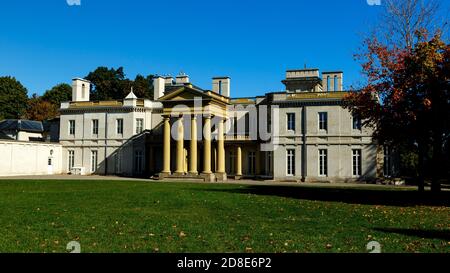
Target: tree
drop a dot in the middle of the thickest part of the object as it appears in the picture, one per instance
(112, 84)
(143, 86)
(406, 98)
(13, 98)
(59, 93)
(107, 83)
(40, 110)
(412, 99)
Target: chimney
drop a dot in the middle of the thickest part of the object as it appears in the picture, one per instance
(81, 89)
(182, 79)
(159, 85)
(332, 81)
(221, 86)
(168, 80)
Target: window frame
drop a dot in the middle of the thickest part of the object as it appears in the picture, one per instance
(119, 121)
(323, 163)
(356, 162)
(71, 159)
(356, 121)
(138, 165)
(251, 157)
(387, 161)
(72, 126)
(94, 163)
(290, 162)
(95, 124)
(323, 122)
(290, 124)
(139, 125)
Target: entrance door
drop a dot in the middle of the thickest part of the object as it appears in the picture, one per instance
(50, 165)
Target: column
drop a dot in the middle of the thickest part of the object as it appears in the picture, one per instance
(180, 148)
(193, 153)
(238, 161)
(166, 149)
(207, 146)
(220, 148)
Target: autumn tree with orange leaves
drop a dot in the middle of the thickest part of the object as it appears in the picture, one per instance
(40, 110)
(406, 97)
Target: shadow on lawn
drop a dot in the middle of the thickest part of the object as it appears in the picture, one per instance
(420, 233)
(400, 198)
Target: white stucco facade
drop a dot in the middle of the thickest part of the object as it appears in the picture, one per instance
(30, 158)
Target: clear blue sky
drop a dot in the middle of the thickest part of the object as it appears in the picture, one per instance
(45, 42)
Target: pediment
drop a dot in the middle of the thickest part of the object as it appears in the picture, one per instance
(185, 93)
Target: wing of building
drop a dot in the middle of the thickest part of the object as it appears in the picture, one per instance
(189, 133)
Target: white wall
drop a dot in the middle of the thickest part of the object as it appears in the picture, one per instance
(29, 158)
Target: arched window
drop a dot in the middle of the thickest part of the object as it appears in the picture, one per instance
(328, 83)
(336, 86)
(83, 91)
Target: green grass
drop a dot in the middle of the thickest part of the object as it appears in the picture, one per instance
(119, 216)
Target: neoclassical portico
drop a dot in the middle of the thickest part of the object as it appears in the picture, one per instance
(204, 114)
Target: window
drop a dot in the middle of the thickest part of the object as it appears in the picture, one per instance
(49, 162)
(119, 125)
(139, 125)
(138, 161)
(220, 87)
(357, 125)
(291, 122)
(328, 83)
(71, 160)
(232, 166)
(291, 162)
(323, 162)
(119, 161)
(94, 161)
(72, 127)
(269, 163)
(357, 170)
(323, 121)
(247, 124)
(387, 166)
(95, 126)
(336, 87)
(252, 163)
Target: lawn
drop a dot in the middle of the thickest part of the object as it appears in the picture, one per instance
(135, 216)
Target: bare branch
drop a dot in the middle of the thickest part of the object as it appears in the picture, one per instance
(403, 19)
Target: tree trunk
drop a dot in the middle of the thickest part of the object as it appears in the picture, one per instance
(421, 178)
(438, 111)
(437, 162)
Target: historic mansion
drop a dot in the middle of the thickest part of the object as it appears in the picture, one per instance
(188, 133)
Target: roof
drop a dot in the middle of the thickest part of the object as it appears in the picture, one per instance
(81, 79)
(332, 72)
(171, 88)
(131, 96)
(5, 136)
(305, 69)
(21, 125)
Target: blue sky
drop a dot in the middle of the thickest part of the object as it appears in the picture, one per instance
(45, 42)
